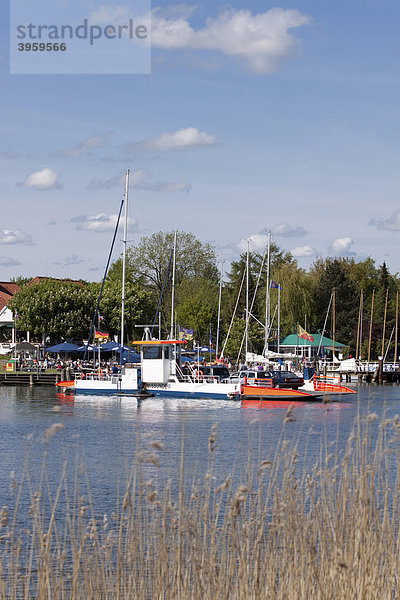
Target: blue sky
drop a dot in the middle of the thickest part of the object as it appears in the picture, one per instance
(256, 117)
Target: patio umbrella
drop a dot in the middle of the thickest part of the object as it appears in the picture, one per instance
(25, 347)
(60, 348)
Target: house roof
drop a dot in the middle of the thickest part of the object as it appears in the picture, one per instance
(7, 291)
(293, 341)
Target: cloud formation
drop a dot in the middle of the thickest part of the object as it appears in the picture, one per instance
(182, 139)
(140, 181)
(342, 247)
(71, 260)
(86, 146)
(285, 230)
(302, 251)
(7, 261)
(261, 41)
(46, 179)
(258, 242)
(98, 223)
(9, 237)
(392, 223)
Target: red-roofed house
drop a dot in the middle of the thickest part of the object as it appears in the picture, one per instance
(7, 328)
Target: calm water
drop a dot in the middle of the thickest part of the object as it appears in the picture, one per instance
(108, 432)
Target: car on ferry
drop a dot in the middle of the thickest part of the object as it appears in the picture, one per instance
(280, 379)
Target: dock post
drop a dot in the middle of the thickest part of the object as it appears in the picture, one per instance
(31, 379)
(380, 370)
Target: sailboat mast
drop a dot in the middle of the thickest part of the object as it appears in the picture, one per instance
(171, 335)
(333, 323)
(124, 259)
(247, 302)
(219, 310)
(267, 316)
(279, 318)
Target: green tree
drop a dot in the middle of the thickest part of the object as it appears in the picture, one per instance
(151, 260)
(327, 275)
(56, 309)
(139, 305)
(198, 307)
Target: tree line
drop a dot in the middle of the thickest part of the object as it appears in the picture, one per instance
(64, 310)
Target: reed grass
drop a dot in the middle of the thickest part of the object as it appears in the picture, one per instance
(277, 529)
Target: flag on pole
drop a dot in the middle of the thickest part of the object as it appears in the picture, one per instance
(304, 335)
(100, 335)
(185, 334)
(276, 286)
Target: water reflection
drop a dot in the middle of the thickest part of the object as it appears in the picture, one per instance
(109, 432)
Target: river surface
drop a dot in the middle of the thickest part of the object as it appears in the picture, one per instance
(106, 434)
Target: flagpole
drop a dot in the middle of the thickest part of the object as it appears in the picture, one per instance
(370, 325)
(297, 346)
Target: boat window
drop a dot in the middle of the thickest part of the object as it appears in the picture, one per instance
(152, 352)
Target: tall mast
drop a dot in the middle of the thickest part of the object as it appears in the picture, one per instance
(247, 302)
(267, 316)
(370, 325)
(279, 317)
(171, 335)
(397, 327)
(219, 309)
(333, 323)
(384, 322)
(124, 259)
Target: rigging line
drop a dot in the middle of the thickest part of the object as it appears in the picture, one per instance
(253, 300)
(162, 293)
(233, 316)
(104, 277)
(326, 319)
(389, 342)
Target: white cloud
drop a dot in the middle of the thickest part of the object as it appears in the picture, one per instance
(109, 15)
(46, 179)
(182, 139)
(86, 146)
(98, 223)
(262, 41)
(302, 251)
(258, 242)
(392, 223)
(139, 180)
(9, 237)
(71, 260)
(342, 246)
(285, 230)
(7, 261)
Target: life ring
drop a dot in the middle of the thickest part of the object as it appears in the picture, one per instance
(198, 375)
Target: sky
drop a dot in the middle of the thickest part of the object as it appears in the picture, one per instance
(250, 117)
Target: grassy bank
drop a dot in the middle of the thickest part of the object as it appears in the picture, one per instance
(276, 529)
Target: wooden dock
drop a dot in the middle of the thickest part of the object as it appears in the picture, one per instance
(30, 378)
